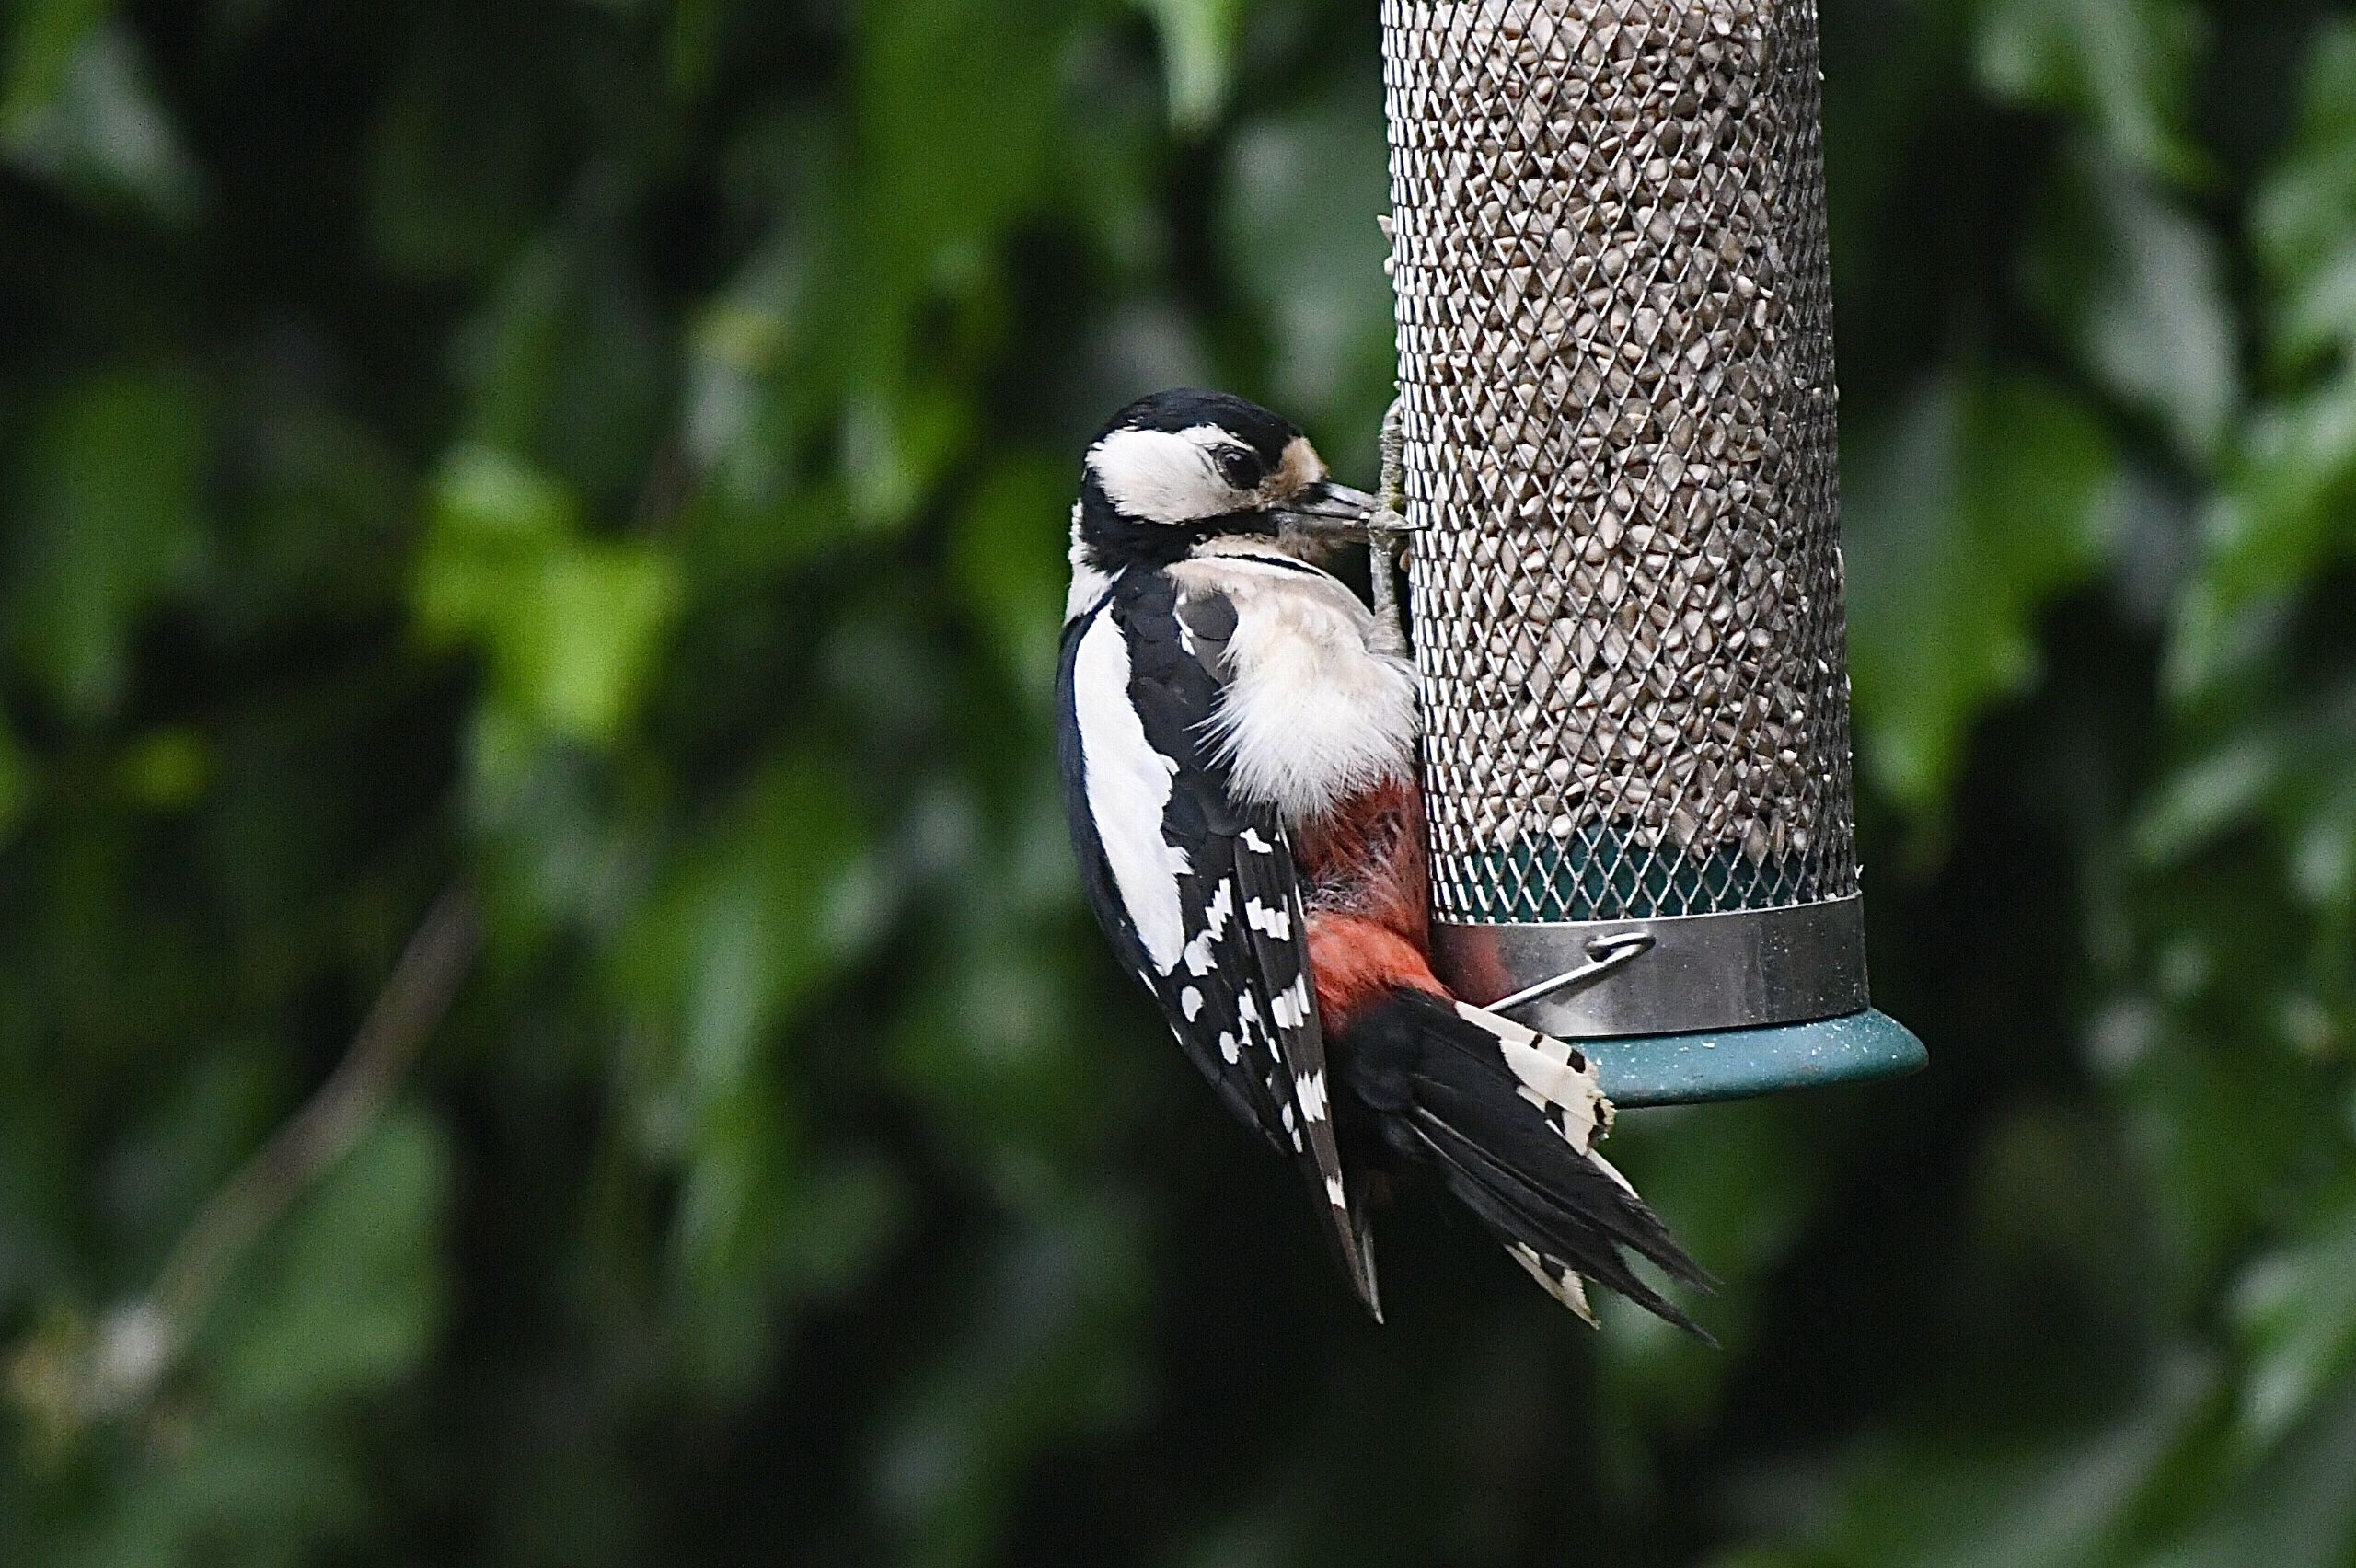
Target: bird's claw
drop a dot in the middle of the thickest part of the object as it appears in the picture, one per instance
(1387, 527)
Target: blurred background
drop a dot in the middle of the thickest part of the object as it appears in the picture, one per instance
(545, 1018)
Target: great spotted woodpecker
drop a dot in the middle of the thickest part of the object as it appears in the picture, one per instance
(1237, 736)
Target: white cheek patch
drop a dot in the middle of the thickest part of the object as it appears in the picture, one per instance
(1163, 476)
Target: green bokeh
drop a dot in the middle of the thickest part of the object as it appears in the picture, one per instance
(612, 456)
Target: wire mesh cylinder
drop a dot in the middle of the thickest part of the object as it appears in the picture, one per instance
(1615, 347)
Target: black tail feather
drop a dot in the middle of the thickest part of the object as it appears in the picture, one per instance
(1517, 1213)
(1451, 1097)
(1514, 1139)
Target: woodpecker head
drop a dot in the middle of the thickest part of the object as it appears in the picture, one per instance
(1177, 469)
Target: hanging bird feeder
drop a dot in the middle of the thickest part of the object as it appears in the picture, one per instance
(1617, 411)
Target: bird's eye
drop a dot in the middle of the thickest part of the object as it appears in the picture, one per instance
(1239, 468)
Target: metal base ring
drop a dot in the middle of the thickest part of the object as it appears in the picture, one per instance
(1595, 979)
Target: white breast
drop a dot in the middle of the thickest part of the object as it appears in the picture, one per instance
(1320, 704)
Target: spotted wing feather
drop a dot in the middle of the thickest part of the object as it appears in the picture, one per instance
(1236, 990)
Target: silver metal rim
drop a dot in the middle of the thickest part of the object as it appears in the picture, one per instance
(1593, 979)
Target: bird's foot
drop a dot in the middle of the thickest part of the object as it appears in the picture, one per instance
(1387, 527)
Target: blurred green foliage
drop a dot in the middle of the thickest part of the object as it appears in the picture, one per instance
(612, 456)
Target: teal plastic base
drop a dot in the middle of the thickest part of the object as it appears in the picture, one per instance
(1734, 1064)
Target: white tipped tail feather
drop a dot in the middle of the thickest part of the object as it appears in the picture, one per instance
(1509, 1118)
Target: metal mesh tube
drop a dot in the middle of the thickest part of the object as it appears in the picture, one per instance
(1615, 353)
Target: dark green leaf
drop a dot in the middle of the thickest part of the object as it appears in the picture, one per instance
(346, 1297)
(2302, 219)
(2297, 1511)
(2295, 1312)
(2288, 506)
(1199, 44)
(1965, 518)
(109, 520)
(81, 110)
(2137, 287)
(1299, 233)
(2122, 65)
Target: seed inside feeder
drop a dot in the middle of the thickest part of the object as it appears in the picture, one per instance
(1608, 244)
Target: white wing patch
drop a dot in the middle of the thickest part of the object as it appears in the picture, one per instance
(1201, 881)
(1128, 788)
(1221, 909)
(1310, 1090)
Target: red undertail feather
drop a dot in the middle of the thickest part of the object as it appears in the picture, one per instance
(1506, 1117)
(1357, 962)
(1366, 857)
(1367, 931)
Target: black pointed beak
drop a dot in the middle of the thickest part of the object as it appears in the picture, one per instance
(1326, 510)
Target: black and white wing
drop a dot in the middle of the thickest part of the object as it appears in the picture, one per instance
(1198, 893)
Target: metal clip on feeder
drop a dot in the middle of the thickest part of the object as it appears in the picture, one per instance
(1617, 410)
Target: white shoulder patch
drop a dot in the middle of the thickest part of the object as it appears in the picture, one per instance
(1128, 786)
